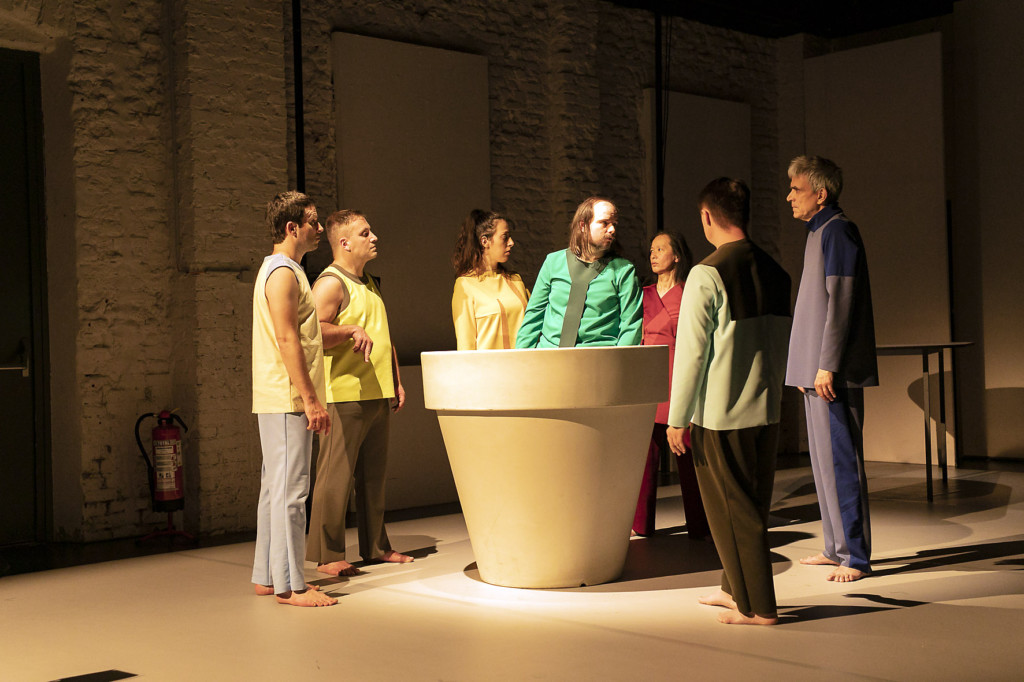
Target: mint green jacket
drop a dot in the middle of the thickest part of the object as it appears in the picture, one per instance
(732, 341)
(612, 315)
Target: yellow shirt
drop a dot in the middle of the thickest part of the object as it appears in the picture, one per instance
(349, 376)
(272, 389)
(487, 310)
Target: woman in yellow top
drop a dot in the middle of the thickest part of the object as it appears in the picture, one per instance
(489, 299)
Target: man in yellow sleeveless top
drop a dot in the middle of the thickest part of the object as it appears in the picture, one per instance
(288, 398)
(363, 387)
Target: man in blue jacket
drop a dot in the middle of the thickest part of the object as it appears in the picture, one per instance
(831, 360)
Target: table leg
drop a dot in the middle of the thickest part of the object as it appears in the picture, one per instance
(926, 403)
(940, 423)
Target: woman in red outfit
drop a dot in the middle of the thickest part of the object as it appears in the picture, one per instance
(670, 262)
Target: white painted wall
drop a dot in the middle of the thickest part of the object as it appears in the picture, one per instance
(413, 152)
(705, 138)
(877, 112)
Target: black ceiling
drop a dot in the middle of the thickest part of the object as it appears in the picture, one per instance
(825, 18)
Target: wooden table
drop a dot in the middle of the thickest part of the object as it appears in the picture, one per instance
(925, 350)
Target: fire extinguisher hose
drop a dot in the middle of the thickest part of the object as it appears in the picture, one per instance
(138, 439)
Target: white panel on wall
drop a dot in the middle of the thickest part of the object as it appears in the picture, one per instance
(877, 112)
(705, 138)
(413, 155)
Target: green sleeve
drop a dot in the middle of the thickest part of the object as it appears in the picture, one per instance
(533, 319)
(631, 305)
(697, 319)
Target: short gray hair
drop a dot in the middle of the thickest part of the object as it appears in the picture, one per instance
(821, 173)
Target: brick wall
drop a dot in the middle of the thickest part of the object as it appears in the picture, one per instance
(566, 89)
(179, 138)
(229, 155)
(182, 117)
(124, 251)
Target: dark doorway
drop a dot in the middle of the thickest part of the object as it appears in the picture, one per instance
(24, 367)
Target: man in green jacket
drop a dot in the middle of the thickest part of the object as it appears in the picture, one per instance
(586, 295)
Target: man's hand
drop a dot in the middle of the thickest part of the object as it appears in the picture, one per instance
(319, 420)
(823, 385)
(398, 402)
(675, 440)
(362, 343)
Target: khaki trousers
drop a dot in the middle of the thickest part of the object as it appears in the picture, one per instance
(355, 453)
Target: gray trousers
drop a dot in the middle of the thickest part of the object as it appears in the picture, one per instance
(281, 512)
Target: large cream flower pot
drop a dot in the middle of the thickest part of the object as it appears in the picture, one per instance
(547, 448)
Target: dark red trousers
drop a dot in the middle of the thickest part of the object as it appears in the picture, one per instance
(693, 506)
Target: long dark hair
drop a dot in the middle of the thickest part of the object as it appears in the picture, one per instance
(682, 250)
(468, 257)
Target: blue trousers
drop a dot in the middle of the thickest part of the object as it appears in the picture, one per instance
(834, 433)
(281, 513)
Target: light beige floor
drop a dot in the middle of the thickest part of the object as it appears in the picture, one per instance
(946, 603)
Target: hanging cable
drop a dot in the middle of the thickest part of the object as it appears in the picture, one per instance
(300, 128)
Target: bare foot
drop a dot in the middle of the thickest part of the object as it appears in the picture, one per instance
(306, 598)
(267, 590)
(338, 568)
(393, 557)
(719, 598)
(737, 618)
(845, 574)
(818, 559)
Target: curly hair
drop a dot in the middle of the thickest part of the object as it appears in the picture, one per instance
(468, 257)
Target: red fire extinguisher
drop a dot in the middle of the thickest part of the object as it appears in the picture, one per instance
(166, 482)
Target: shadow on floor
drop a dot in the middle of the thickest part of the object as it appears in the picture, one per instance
(686, 562)
(962, 494)
(1003, 552)
(48, 556)
(426, 546)
(666, 554)
(800, 513)
(804, 614)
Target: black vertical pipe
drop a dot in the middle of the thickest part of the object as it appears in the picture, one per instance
(300, 131)
(300, 128)
(659, 127)
(954, 332)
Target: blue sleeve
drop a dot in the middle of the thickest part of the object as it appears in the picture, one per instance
(840, 251)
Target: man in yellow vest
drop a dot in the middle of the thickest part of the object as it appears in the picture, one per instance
(288, 398)
(363, 387)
